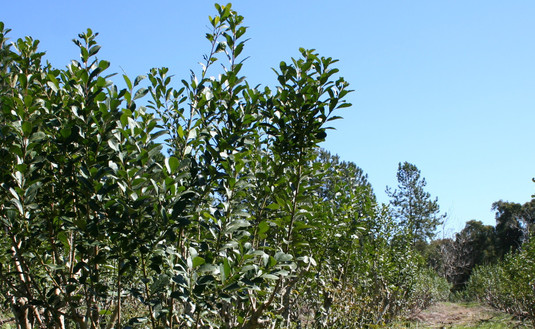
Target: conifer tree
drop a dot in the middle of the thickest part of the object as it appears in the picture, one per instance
(412, 205)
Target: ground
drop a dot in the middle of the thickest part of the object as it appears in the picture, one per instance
(445, 315)
(461, 316)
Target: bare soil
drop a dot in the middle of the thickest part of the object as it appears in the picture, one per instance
(456, 315)
(444, 314)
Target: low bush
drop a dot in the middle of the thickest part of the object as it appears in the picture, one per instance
(429, 289)
(508, 285)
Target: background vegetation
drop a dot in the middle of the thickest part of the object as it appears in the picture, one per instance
(492, 265)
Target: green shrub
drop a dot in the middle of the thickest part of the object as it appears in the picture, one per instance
(509, 285)
(378, 281)
(429, 289)
(208, 208)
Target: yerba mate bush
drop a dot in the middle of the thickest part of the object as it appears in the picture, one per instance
(206, 208)
(508, 285)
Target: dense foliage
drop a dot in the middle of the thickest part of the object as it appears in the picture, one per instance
(508, 285)
(492, 264)
(478, 244)
(206, 206)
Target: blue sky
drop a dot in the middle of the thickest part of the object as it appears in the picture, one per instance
(446, 85)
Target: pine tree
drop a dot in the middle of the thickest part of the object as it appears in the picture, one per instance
(412, 206)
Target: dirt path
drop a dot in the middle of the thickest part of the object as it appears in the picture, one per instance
(452, 315)
(444, 314)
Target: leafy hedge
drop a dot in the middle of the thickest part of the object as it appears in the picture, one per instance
(509, 285)
(208, 207)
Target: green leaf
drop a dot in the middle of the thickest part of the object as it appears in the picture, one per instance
(84, 54)
(37, 137)
(127, 81)
(263, 227)
(114, 144)
(53, 82)
(105, 312)
(171, 164)
(62, 237)
(94, 50)
(31, 192)
(141, 93)
(52, 86)
(28, 100)
(197, 261)
(269, 276)
(273, 206)
(138, 79)
(282, 257)
(56, 267)
(236, 225)
(27, 128)
(103, 65)
(65, 132)
(125, 116)
(101, 83)
(224, 268)
(180, 131)
(17, 204)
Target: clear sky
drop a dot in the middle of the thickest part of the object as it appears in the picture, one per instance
(448, 85)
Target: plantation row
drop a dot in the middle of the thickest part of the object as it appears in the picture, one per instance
(508, 285)
(210, 206)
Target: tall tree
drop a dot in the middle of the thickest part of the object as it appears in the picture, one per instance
(528, 216)
(473, 246)
(413, 206)
(479, 239)
(509, 226)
